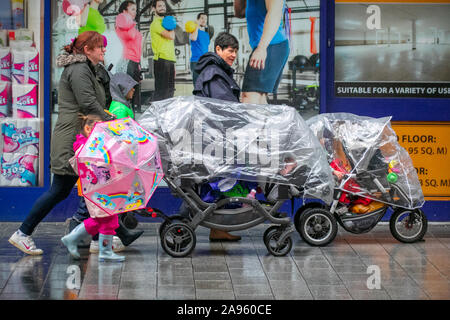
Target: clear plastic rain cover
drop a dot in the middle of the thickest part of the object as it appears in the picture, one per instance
(202, 138)
(367, 149)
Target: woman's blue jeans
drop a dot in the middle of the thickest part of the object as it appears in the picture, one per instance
(60, 189)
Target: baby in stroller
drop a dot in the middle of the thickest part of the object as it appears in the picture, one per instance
(342, 167)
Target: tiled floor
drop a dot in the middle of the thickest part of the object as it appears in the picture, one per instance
(343, 270)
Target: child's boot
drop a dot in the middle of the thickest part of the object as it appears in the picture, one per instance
(71, 240)
(106, 253)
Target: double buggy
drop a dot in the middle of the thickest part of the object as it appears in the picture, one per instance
(210, 148)
(216, 155)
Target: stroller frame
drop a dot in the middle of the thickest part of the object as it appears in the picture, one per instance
(177, 233)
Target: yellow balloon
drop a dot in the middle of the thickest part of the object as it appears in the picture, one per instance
(190, 26)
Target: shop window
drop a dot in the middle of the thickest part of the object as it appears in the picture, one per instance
(21, 95)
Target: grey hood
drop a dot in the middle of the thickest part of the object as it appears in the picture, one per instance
(120, 84)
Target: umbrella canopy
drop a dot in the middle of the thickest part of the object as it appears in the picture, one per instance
(119, 166)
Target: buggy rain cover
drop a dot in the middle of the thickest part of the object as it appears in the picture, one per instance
(374, 154)
(202, 138)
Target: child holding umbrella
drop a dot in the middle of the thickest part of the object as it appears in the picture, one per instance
(100, 222)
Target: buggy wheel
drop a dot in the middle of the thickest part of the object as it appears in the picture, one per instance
(271, 236)
(178, 239)
(302, 209)
(318, 227)
(172, 219)
(408, 225)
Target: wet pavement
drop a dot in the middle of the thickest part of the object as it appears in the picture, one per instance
(353, 267)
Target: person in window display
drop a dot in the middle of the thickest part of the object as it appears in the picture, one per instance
(91, 18)
(131, 39)
(270, 47)
(79, 92)
(163, 47)
(199, 40)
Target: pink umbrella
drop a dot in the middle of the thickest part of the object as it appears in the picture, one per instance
(119, 166)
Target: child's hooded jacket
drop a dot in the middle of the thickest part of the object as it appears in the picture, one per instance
(120, 85)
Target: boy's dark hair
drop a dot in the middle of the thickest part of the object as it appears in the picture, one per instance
(201, 14)
(225, 40)
(124, 5)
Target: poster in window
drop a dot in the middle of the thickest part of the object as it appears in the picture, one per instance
(392, 49)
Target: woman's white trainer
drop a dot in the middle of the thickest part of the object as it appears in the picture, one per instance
(24, 243)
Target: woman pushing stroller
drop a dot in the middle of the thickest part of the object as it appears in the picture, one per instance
(216, 81)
